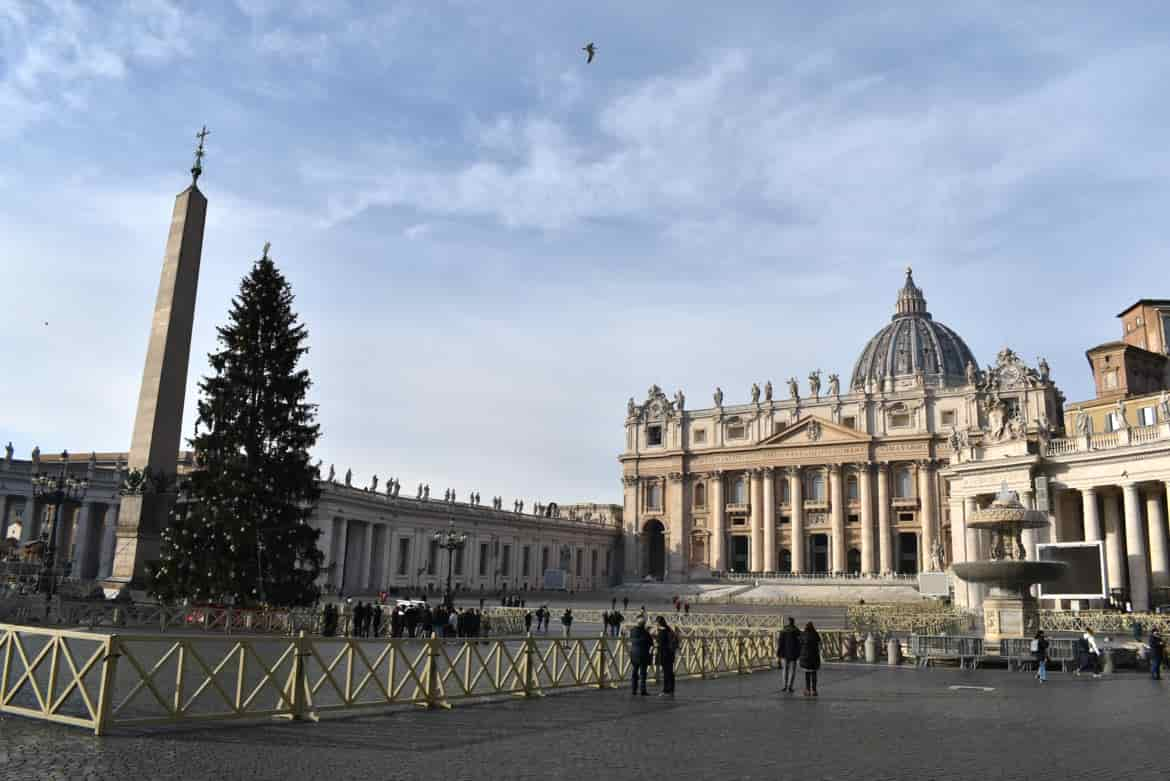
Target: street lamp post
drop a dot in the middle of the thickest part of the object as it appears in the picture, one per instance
(58, 489)
(451, 541)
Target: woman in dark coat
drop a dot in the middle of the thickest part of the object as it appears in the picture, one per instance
(640, 645)
(788, 652)
(667, 648)
(810, 658)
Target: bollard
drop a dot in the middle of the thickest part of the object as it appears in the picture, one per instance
(850, 649)
(1107, 667)
(894, 652)
(870, 649)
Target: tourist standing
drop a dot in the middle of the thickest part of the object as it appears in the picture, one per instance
(527, 623)
(686, 608)
(640, 645)
(810, 658)
(618, 618)
(788, 652)
(625, 603)
(1157, 649)
(567, 622)
(377, 622)
(667, 649)
(1040, 654)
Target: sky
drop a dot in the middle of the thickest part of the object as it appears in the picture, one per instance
(494, 244)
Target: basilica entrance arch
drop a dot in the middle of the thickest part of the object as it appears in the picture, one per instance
(654, 543)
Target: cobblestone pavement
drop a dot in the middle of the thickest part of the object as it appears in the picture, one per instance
(868, 723)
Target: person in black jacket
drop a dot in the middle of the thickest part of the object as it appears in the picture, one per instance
(810, 658)
(1040, 654)
(1157, 649)
(640, 645)
(667, 649)
(788, 652)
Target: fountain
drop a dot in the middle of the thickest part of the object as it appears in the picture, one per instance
(1009, 609)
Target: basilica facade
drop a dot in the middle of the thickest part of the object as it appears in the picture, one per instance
(832, 476)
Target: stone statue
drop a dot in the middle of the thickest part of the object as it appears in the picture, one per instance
(972, 374)
(793, 389)
(317, 469)
(814, 383)
(679, 399)
(348, 477)
(1081, 422)
(1123, 423)
(332, 473)
(397, 487)
(447, 495)
(390, 487)
(8, 448)
(834, 385)
(427, 491)
(1163, 404)
(996, 418)
(1043, 369)
(36, 455)
(718, 396)
(92, 461)
(631, 408)
(521, 505)
(419, 495)
(1017, 426)
(374, 485)
(755, 393)
(938, 557)
(452, 494)
(955, 440)
(768, 391)
(1043, 424)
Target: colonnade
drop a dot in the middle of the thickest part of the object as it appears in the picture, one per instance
(876, 545)
(84, 534)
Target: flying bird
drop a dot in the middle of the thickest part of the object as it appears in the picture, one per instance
(589, 49)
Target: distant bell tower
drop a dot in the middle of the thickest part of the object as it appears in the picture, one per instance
(149, 492)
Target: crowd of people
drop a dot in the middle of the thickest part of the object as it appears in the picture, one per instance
(414, 620)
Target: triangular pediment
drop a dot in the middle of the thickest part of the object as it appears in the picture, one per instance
(811, 430)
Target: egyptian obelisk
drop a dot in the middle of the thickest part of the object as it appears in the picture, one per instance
(154, 448)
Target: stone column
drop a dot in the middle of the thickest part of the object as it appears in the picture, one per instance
(796, 502)
(1091, 519)
(5, 509)
(62, 533)
(865, 488)
(1029, 535)
(367, 556)
(341, 536)
(1159, 547)
(84, 560)
(388, 538)
(756, 497)
(972, 551)
(30, 523)
(718, 510)
(109, 531)
(837, 517)
(674, 495)
(769, 519)
(885, 548)
(926, 503)
(1135, 548)
(1114, 542)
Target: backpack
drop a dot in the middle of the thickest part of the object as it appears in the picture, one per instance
(1035, 646)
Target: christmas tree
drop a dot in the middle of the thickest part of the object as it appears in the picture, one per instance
(241, 535)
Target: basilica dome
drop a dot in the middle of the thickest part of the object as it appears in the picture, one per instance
(912, 344)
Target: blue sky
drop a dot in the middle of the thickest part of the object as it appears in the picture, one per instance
(494, 245)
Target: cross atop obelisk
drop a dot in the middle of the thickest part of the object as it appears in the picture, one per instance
(154, 448)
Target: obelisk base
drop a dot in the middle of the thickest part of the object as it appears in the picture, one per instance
(137, 544)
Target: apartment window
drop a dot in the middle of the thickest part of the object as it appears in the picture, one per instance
(903, 483)
(593, 563)
(1147, 416)
(525, 561)
(544, 559)
(403, 555)
(483, 558)
(506, 561)
(700, 496)
(1112, 421)
(653, 436)
(699, 436)
(948, 417)
(849, 421)
(654, 497)
(433, 558)
(1109, 379)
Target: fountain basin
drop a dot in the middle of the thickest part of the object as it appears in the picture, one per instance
(1009, 573)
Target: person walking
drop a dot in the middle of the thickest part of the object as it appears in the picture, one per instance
(788, 652)
(618, 618)
(625, 603)
(1090, 654)
(567, 622)
(528, 622)
(667, 650)
(810, 658)
(1040, 654)
(1157, 649)
(640, 645)
(613, 603)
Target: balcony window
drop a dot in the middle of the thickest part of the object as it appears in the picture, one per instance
(700, 496)
(1147, 416)
(785, 497)
(653, 436)
(851, 490)
(814, 487)
(654, 497)
(903, 483)
(739, 491)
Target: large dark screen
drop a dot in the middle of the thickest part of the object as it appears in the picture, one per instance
(1083, 576)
